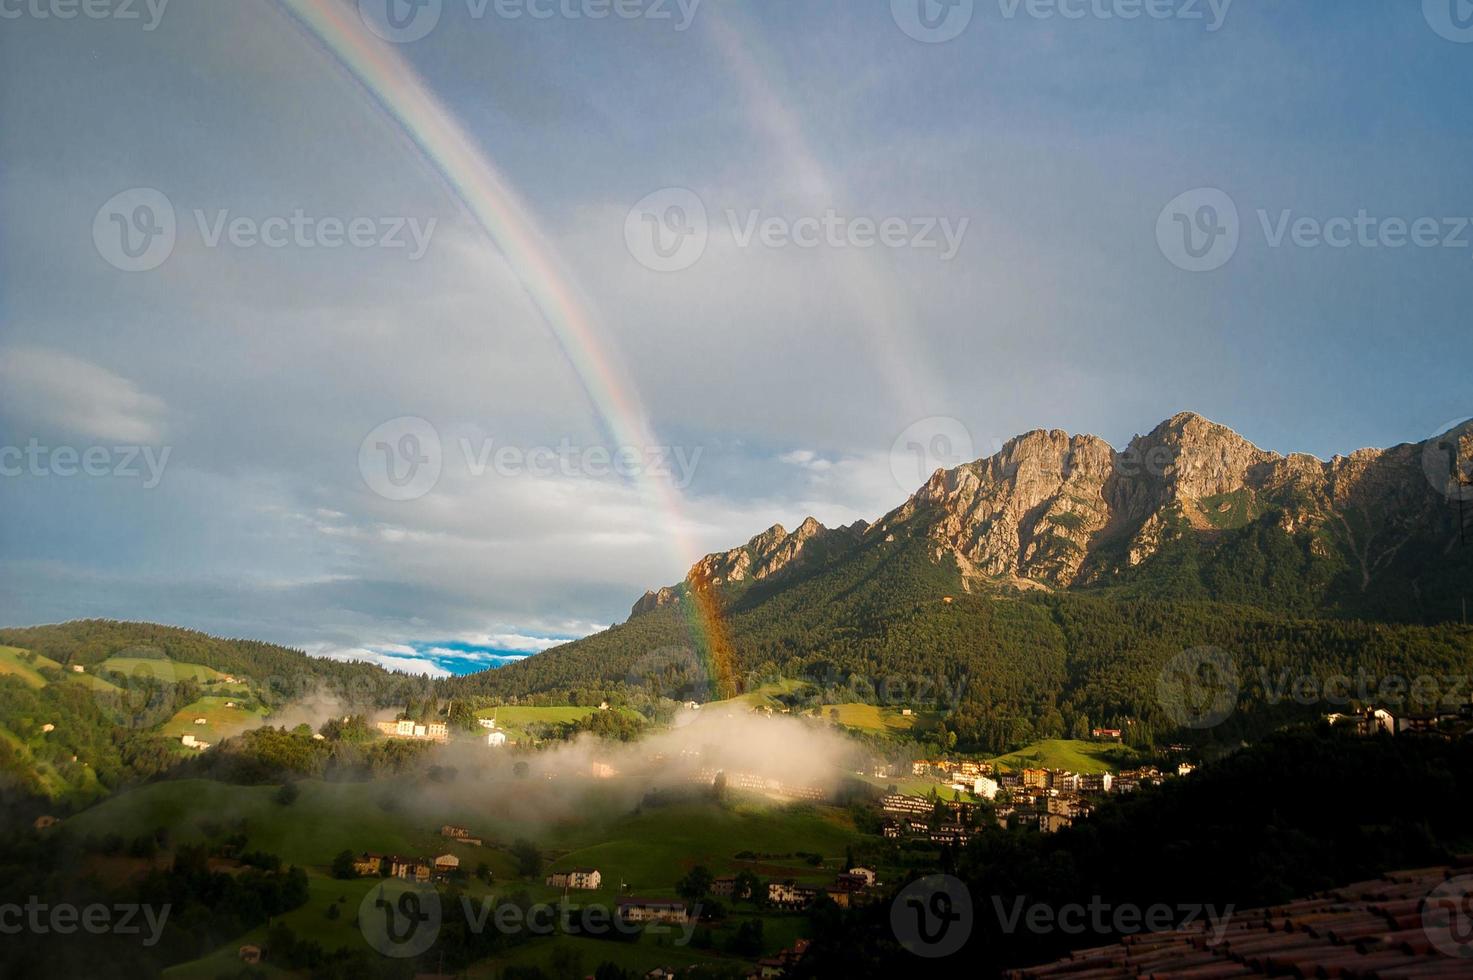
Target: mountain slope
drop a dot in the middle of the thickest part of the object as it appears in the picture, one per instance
(1045, 588)
(1365, 534)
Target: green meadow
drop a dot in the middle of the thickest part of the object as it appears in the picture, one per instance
(1074, 755)
(873, 718)
(224, 716)
(162, 669)
(13, 662)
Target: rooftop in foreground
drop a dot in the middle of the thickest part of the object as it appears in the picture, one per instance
(1392, 928)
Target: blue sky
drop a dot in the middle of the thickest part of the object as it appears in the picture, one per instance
(785, 375)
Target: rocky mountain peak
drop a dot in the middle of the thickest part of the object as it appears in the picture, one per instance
(1050, 509)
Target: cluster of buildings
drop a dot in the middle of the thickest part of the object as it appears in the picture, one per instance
(495, 737)
(964, 775)
(652, 910)
(1044, 799)
(438, 731)
(368, 864)
(434, 731)
(849, 888)
(460, 835)
(775, 966)
(759, 784)
(1446, 722)
(917, 818)
(578, 879)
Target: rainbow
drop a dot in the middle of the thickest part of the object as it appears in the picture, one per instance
(391, 83)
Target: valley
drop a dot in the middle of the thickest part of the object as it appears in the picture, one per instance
(770, 750)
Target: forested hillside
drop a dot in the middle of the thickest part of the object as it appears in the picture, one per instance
(68, 737)
(1005, 666)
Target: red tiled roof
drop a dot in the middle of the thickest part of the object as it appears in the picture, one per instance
(1384, 929)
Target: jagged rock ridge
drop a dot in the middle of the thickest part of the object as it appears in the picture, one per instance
(1053, 510)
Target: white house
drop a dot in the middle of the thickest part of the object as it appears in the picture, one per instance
(985, 788)
(496, 739)
(586, 879)
(191, 742)
(652, 910)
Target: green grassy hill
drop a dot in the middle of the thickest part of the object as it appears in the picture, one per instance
(1069, 754)
(15, 662)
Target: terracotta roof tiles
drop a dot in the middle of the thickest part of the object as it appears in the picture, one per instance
(1385, 929)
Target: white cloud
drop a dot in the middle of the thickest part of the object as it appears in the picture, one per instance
(388, 661)
(806, 459)
(519, 642)
(53, 388)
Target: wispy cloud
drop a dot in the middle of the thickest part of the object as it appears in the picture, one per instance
(58, 390)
